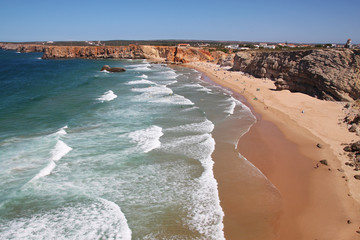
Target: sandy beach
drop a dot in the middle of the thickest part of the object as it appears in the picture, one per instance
(305, 199)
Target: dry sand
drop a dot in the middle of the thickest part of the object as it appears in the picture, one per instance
(316, 203)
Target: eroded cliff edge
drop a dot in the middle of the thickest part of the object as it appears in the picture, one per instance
(170, 54)
(330, 74)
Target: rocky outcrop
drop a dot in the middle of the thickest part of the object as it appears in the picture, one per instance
(23, 47)
(112, 69)
(224, 59)
(331, 74)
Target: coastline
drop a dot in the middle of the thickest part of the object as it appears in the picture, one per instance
(316, 202)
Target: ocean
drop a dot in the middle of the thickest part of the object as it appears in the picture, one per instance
(86, 154)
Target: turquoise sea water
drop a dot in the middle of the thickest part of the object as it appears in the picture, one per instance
(86, 154)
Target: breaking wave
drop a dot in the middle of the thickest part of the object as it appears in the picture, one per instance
(97, 219)
(107, 96)
(147, 139)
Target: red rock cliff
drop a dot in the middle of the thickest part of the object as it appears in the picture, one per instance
(157, 53)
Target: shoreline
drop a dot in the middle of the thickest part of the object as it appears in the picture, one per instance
(316, 202)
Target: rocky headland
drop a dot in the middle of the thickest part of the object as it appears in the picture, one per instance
(330, 74)
(163, 54)
(23, 48)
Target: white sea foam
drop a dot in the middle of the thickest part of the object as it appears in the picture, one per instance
(201, 127)
(245, 109)
(138, 82)
(168, 83)
(125, 231)
(143, 68)
(205, 214)
(59, 151)
(62, 131)
(107, 96)
(198, 87)
(105, 71)
(201, 88)
(230, 109)
(231, 104)
(173, 99)
(160, 94)
(143, 76)
(147, 139)
(140, 67)
(45, 171)
(170, 74)
(99, 219)
(156, 90)
(194, 146)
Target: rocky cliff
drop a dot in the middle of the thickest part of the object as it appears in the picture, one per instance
(156, 53)
(170, 54)
(23, 47)
(331, 74)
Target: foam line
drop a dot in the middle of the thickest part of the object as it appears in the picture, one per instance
(94, 219)
(45, 171)
(59, 151)
(147, 139)
(142, 81)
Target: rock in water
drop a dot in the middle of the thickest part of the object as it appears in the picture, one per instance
(112, 69)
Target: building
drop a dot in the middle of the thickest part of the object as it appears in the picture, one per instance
(270, 47)
(234, 46)
(263, 45)
(348, 44)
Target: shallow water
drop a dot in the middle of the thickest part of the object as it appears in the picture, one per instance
(96, 155)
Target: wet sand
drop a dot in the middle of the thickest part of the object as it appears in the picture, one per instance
(292, 199)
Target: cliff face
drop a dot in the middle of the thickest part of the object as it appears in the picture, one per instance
(157, 53)
(22, 47)
(325, 74)
(129, 52)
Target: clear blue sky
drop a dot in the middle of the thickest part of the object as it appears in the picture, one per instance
(305, 21)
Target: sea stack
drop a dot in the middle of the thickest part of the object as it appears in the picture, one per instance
(112, 69)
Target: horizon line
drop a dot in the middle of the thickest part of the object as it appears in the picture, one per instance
(175, 40)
